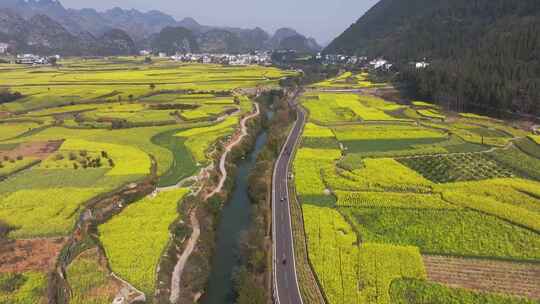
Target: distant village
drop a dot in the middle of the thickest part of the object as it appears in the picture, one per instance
(375, 64)
(257, 57)
(263, 58)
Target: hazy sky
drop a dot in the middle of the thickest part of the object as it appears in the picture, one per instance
(323, 20)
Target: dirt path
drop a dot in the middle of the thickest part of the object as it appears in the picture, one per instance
(520, 279)
(182, 259)
(228, 148)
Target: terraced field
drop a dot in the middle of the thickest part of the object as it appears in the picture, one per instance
(81, 151)
(392, 195)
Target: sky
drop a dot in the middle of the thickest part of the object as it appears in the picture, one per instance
(323, 20)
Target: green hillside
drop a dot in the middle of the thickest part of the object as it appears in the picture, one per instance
(483, 53)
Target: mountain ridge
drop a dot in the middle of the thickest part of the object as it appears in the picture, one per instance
(41, 34)
(143, 27)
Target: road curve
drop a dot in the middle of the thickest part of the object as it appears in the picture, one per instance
(286, 287)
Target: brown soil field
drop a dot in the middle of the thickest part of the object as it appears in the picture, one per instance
(40, 150)
(29, 255)
(520, 279)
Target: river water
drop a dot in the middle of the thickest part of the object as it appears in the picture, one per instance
(235, 219)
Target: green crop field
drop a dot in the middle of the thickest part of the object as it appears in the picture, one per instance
(23, 288)
(436, 231)
(348, 80)
(431, 113)
(331, 108)
(351, 272)
(98, 80)
(423, 104)
(413, 291)
(378, 193)
(89, 280)
(199, 140)
(457, 167)
(14, 129)
(127, 245)
(111, 123)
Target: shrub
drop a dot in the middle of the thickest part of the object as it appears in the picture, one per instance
(7, 96)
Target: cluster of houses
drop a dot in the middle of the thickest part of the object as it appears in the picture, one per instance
(375, 64)
(332, 59)
(35, 59)
(260, 58)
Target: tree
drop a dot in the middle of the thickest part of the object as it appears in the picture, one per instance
(7, 96)
(249, 291)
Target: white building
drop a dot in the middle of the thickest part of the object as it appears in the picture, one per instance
(378, 63)
(261, 58)
(421, 65)
(4, 47)
(32, 59)
(206, 59)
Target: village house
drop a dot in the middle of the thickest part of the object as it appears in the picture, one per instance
(33, 59)
(4, 47)
(421, 65)
(144, 52)
(261, 58)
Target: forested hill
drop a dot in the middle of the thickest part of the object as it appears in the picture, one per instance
(483, 53)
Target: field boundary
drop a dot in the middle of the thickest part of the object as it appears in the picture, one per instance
(307, 285)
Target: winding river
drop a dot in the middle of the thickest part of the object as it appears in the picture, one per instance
(235, 219)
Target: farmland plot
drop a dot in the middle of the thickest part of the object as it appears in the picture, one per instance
(127, 245)
(401, 189)
(85, 129)
(348, 80)
(25, 288)
(328, 108)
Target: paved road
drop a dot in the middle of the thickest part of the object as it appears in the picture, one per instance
(286, 288)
